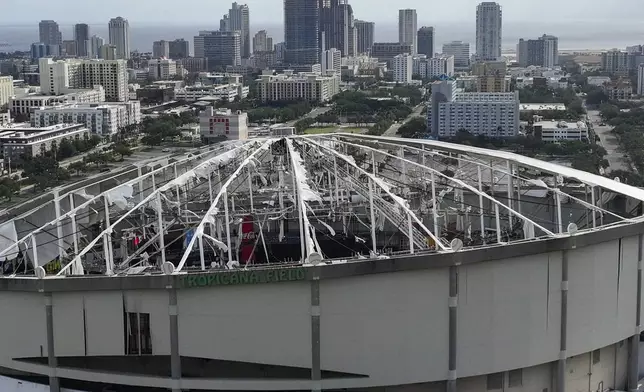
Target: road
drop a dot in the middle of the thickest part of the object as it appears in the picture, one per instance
(312, 114)
(608, 141)
(393, 129)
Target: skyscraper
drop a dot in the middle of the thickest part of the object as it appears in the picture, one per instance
(120, 37)
(301, 31)
(238, 19)
(550, 50)
(337, 28)
(50, 33)
(262, 42)
(488, 31)
(461, 52)
(94, 46)
(160, 49)
(221, 48)
(81, 37)
(408, 28)
(543, 51)
(426, 41)
(179, 49)
(365, 32)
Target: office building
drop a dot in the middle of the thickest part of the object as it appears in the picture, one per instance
(238, 19)
(50, 33)
(425, 41)
(262, 42)
(107, 52)
(331, 61)
(194, 64)
(179, 49)
(543, 52)
(25, 104)
(403, 66)
(40, 50)
(119, 30)
(220, 48)
(69, 48)
(491, 114)
(640, 80)
(21, 141)
(365, 32)
(440, 66)
(161, 49)
(81, 37)
(408, 28)
(162, 69)
(488, 31)
(218, 124)
(336, 27)
(94, 46)
(103, 119)
(461, 52)
(386, 51)
(615, 62)
(219, 93)
(492, 77)
(293, 87)
(6, 90)
(301, 31)
(280, 52)
(560, 131)
(58, 77)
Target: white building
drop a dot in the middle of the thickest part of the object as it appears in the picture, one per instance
(439, 66)
(558, 131)
(161, 69)
(94, 46)
(488, 31)
(403, 65)
(223, 124)
(226, 92)
(640, 80)
(58, 77)
(119, 30)
(461, 52)
(331, 61)
(6, 89)
(101, 119)
(24, 104)
(598, 80)
(550, 50)
(408, 28)
(490, 114)
(291, 87)
(19, 140)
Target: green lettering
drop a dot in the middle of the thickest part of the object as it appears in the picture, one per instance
(283, 276)
(234, 278)
(192, 281)
(300, 274)
(225, 278)
(243, 277)
(254, 278)
(202, 281)
(211, 279)
(269, 276)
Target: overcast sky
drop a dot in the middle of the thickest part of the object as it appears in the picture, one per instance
(186, 12)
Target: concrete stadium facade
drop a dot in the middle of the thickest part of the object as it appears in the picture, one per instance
(558, 315)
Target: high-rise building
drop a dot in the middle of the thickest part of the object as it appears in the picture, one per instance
(280, 52)
(238, 19)
(179, 49)
(489, 33)
(160, 49)
(426, 41)
(119, 29)
(50, 33)
(94, 46)
(640, 80)
(403, 67)
(57, 77)
(69, 48)
(40, 50)
(331, 61)
(81, 37)
(162, 69)
(6, 89)
(337, 29)
(262, 42)
(452, 110)
(365, 32)
(107, 52)
(492, 77)
(408, 28)
(615, 62)
(220, 48)
(301, 31)
(291, 87)
(386, 51)
(461, 52)
(543, 52)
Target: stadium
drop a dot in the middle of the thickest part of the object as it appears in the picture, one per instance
(335, 262)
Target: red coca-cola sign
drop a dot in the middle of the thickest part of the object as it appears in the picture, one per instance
(248, 239)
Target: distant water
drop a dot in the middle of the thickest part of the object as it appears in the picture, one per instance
(572, 35)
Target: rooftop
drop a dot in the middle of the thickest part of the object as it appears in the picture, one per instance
(541, 106)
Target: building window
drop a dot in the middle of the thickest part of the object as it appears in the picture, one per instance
(494, 381)
(596, 357)
(515, 378)
(138, 340)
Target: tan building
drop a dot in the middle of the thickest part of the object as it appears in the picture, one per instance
(492, 77)
(290, 87)
(6, 90)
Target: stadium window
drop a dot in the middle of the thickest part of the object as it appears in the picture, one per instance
(494, 381)
(138, 338)
(515, 378)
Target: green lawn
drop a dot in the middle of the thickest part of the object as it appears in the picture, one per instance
(313, 131)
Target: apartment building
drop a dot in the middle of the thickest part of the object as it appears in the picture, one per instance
(291, 87)
(25, 104)
(19, 141)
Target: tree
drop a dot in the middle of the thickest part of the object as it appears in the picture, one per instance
(78, 167)
(44, 171)
(9, 187)
(66, 149)
(152, 140)
(122, 150)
